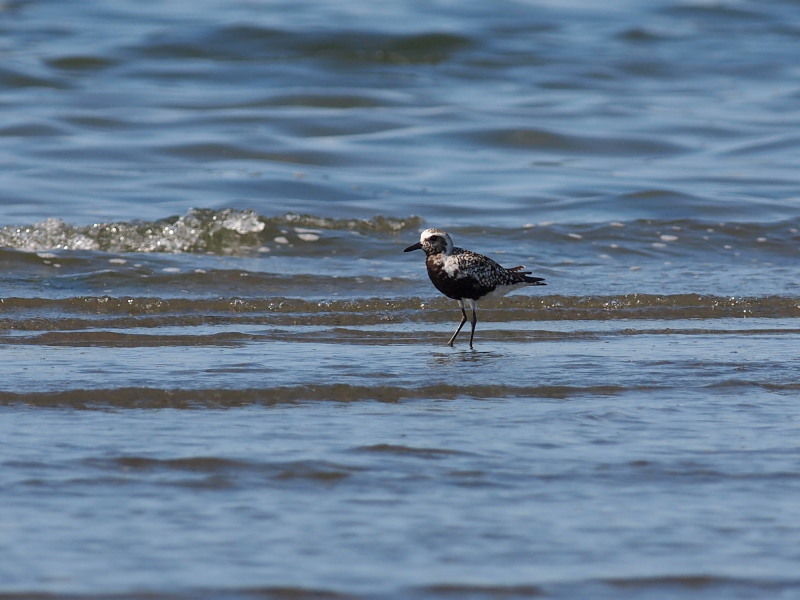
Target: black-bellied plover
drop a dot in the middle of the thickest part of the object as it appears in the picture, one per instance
(467, 276)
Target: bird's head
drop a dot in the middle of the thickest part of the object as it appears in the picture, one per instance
(433, 241)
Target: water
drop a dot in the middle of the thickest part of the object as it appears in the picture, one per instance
(221, 377)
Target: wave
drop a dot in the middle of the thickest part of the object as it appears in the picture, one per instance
(242, 232)
(226, 231)
(249, 42)
(625, 587)
(277, 592)
(106, 311)
(223, 398)
(156, 398)
(669, 585)
(217, 472)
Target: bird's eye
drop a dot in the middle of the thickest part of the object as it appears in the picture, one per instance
(435, 239)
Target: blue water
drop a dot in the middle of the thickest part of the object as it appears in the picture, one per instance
(220, 376)
(539, 110)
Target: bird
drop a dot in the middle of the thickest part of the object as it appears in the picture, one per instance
(467, 276)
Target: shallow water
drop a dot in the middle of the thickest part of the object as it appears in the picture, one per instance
(220, 376)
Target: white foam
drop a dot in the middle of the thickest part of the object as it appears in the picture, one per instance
(246, 222)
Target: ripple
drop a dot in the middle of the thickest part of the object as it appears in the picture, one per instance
(549, 141)
(246, 42)
(402, 450)
(188, 399)
(81, 63)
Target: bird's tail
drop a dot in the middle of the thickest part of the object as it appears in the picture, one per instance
(523, 276)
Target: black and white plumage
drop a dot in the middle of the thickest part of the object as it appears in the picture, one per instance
(467, 276)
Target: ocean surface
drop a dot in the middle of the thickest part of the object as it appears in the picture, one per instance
(221, 377)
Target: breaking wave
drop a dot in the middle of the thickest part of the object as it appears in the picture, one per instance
(226, 231)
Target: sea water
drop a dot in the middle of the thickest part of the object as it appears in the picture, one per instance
(221, 377)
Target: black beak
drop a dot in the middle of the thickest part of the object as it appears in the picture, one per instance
(416, 246)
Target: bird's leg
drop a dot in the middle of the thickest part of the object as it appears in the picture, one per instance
(473, 322)
(460, 325)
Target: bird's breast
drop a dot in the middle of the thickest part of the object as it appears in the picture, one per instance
(453, 281)
(451, 268)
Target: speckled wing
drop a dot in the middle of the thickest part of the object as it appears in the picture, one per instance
(466, 274)
(486, 272)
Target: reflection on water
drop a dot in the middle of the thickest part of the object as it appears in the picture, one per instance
(461, 355)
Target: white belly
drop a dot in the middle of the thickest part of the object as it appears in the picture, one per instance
(502, 290)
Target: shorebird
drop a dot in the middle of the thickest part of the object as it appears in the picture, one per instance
(467, 276)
